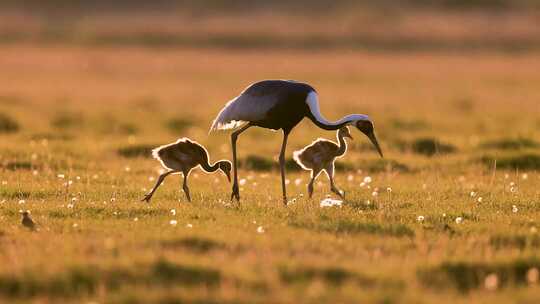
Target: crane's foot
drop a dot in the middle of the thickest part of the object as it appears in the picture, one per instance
(235, 193)
(147, 198)
(285, 201)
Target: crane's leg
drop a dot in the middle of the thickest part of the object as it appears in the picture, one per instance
(160, 180)
(234, 137)
(330, 172)
(314, 174)
(282, 165)
(185, 186)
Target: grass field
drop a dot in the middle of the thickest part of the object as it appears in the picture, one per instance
(451, 215)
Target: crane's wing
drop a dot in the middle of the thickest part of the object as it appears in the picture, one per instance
(244, 108)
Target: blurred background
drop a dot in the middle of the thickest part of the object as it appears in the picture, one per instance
(402, 25)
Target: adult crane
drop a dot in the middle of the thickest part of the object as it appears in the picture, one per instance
(280, 104)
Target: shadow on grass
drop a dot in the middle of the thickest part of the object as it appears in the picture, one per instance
(194, 244)
(467, 276)
(134, 151)
(514, 241)
(427, 146)
(177, 125)
(520, 161)
(510, 144)
(8, 124)
(79, 281)
(349, 226)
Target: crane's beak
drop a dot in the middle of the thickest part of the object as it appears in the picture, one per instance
(373, 139)
(228, 174)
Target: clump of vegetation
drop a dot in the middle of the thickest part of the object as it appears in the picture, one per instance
(408, 125)
(176, 125)
(382, 165)
(466, 276)
(519, 241)
(256, 163)
(170, 273)
(8, 124)
(331, 275)
(52, 136)
(510, 144)
(431, 146)
(195, 244)
(521, 162)
(133, 151)
(351, 226)
(64, 121)
(17, 165)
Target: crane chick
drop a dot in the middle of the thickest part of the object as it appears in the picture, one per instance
(181, 157)
(320, 155)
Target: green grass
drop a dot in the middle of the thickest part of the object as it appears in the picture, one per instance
(429, 223)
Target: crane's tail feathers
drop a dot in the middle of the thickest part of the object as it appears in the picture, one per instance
(296, 158)
(226, 125)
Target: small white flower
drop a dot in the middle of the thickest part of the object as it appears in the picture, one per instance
(291, 202)
(73, 199)
(491, 282)
(362, 184)
(298, 181)
(61, 176)
(95, 176)
(70, 182)
(444, 215)
(151, 178)
(173, 212)
(524, 176)
(506, 176)
(459, 219)
(287, 181)
(189, 226)
(35, 172)
(389, 190)
(512, 184)
(479, 199)
(78, 177)
(260, 229)
(70, 206)
(367, 179)
(420, 218)
(136, 219)
(113, 199)
(173, 222)
(75, 225)
(533, 275)
(242, 181)
(350, 177)
(127, 169)
(374, 193)
(4, 183)
(472, 194)
(22, 202)
(514, 208)
(329, 202)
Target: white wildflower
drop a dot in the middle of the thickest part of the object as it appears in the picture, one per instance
(260, 229)
(173, 222)
(367, 179)
(242, 181)
(514, 208)
(459, 220)
(329, 202)
(420, 218)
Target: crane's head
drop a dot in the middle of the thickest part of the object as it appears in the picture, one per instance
(344, 132)
(226, 166)
(366, 127)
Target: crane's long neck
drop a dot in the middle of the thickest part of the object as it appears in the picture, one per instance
(209, 168)
(342, 145)
(317, 118)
